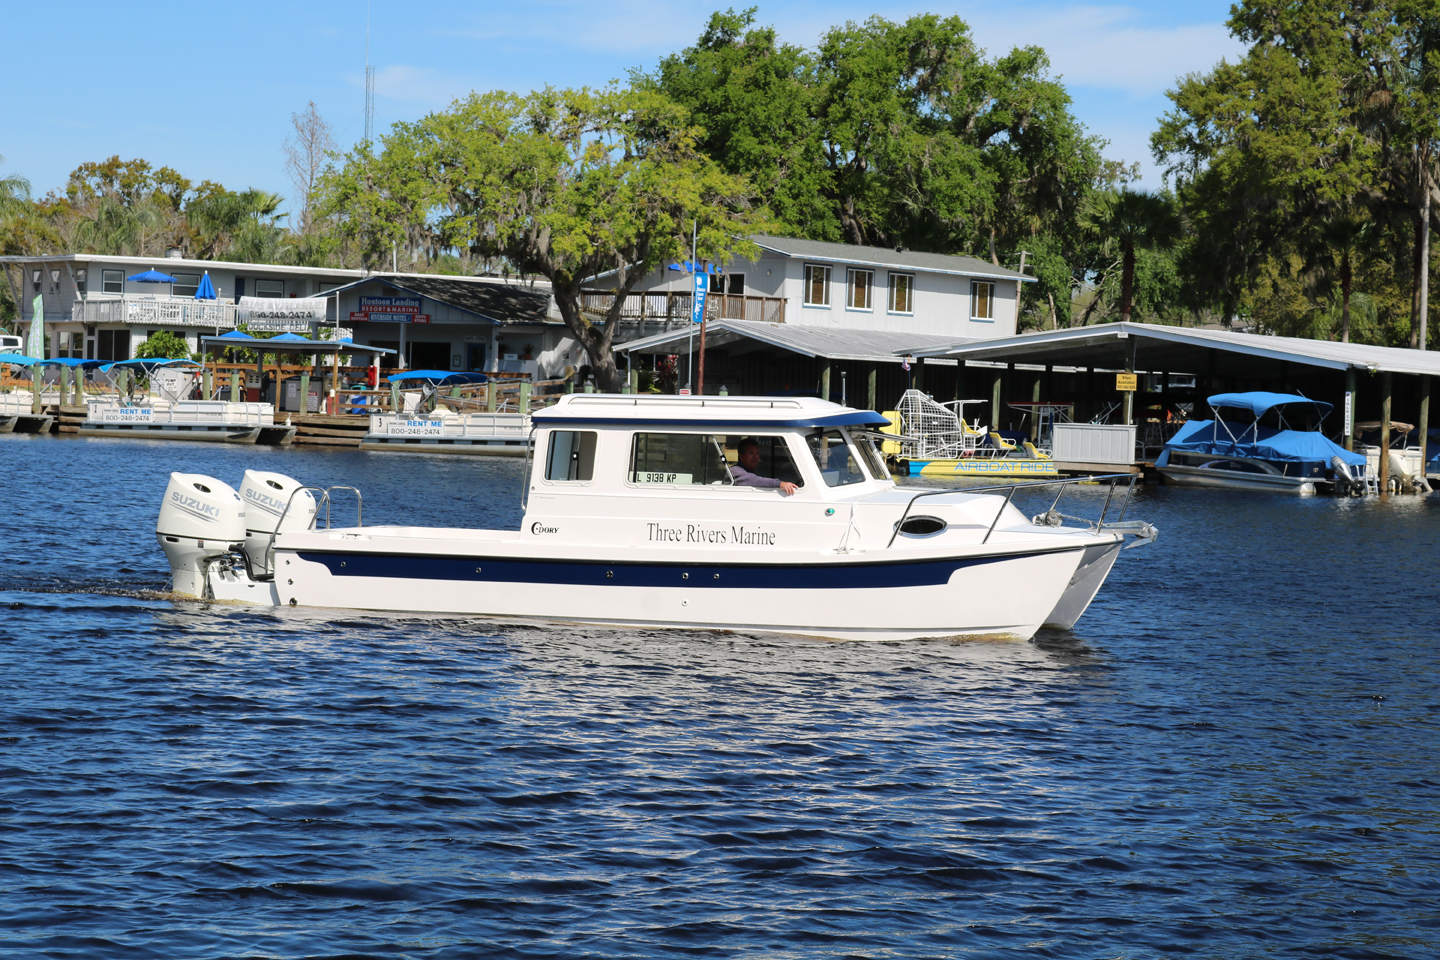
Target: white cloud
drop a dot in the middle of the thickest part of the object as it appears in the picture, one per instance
(1106, 47)
(420, 85)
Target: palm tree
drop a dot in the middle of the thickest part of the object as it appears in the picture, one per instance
(1345, 233)
(1125, 220)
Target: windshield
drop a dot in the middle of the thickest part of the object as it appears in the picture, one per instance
(872, 457)
(835, 458)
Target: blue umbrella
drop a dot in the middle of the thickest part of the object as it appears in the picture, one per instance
(206, 290)
(152, 276)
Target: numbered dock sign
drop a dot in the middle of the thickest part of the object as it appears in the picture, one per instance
(697, 307)
(1126, 381)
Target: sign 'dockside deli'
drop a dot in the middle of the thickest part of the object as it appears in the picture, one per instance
(273, 315)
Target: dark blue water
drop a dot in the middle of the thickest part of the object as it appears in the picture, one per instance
(1234, 755)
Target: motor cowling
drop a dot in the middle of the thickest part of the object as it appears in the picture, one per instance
(266, 496)
(200, 520)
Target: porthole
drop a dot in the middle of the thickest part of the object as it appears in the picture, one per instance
(922, 526)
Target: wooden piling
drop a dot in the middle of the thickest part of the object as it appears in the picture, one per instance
(1385, 434)
(996, 389)
(64, 385)
(1130, 343)
(1424, 425)
(524, 397)
(871, 381)
(824, 379)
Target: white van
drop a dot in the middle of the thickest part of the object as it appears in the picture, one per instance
(10, 343)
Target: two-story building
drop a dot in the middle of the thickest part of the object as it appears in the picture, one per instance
(810, 316)
(92, 310)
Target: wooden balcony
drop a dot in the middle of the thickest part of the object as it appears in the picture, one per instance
(160, 311)
(676, 306)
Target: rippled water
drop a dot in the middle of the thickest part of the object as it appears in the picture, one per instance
(1234, 755)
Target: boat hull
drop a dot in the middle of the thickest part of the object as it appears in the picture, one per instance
(1235, 480)
(212, 433)
(1009, 591)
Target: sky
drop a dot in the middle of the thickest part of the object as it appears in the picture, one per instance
(209, 88)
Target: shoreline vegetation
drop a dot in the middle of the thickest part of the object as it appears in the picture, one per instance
(1299, 181)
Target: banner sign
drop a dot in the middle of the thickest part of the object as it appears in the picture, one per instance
(37, 327)
(417, 428)
(356, 317)
(697, 302)
(127, 415)
(273, 315)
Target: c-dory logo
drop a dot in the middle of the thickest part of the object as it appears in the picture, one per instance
(537, 528)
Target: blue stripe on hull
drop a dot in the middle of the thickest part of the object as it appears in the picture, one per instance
(830, 576)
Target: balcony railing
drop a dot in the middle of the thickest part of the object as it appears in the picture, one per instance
(676, 306)
(161, 311)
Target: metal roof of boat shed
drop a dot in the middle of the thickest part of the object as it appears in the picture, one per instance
(744, 336)
(1180, 349)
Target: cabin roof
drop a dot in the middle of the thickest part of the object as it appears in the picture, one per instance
(737, 412)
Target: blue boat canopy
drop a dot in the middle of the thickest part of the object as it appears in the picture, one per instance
(438, 377)
(149, 363)
(1260, 402)
(72, 362)
(19, 359)
(1296, 446)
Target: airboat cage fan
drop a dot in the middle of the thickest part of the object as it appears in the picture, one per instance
(931, 430)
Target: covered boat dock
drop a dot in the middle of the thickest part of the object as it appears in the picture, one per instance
(1175, 369)
(861, 368)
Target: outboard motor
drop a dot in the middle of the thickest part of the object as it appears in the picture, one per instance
(201, 520)
(1343, 475)
(265, 496)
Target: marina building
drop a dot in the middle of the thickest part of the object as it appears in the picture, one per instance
(93, 309)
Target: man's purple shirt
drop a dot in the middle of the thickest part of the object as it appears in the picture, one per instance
(744, 478)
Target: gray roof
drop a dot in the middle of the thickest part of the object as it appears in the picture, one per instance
(886, 257)
(491, 299)
(833, 344)
(1181, 349)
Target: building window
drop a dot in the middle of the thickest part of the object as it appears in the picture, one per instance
(731, 284)
(269, 288)
(817, 285)
(113, 345)
(71, 345)
(112, 281)
(902, 293)
(80, 282)
(982, 300)
(861, 292)
(186, 284)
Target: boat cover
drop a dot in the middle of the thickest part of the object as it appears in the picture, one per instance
(18, 359)
(438, 376)
(1200, 436)
(1259, 402)
(148, 363)
(72, 362)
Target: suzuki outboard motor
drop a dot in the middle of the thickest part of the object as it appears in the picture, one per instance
(201, 520)
(265, 496)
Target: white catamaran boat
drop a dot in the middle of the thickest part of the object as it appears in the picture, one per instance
(634, 516)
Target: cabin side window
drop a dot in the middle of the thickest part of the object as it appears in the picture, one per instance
(678, 458)
(835, 458)
(571, 455)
